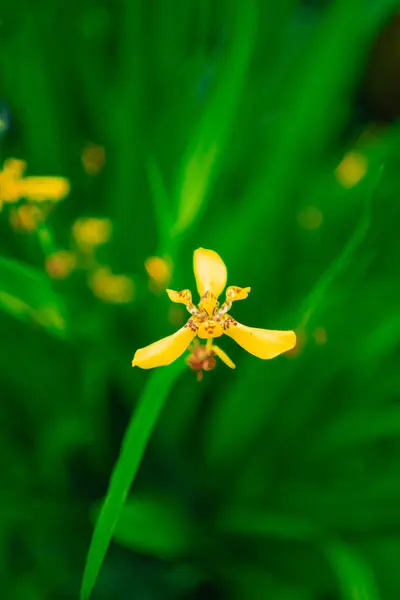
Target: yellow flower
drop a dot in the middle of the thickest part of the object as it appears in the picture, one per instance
(91, 232)
(111, 288)
(93, 159)
(41, 189)
(60, 264)
(352, 169)
(159, 270)
(14, 168)
(209, 320)
(310, 218)
(10, 178)
(26, 217)
(13, 186)
(320, 336)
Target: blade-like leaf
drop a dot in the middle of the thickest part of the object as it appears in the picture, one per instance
(203, 157)
(133, 447)
(27, 294)
(356, 579)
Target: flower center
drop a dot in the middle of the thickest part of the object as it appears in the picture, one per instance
(210, 329)
(208, 303)
(209, 319)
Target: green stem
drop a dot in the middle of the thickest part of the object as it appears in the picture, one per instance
(46, 239)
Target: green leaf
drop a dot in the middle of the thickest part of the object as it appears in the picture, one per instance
(195, 183)
(356, 579)
(133, 447)
(342, 261)
(27, 294)
(154, 525)
(200, 163)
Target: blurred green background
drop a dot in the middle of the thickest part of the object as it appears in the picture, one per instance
(265, 130)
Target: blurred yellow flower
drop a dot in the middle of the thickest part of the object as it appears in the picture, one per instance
(111, 288)
(93, 159)
(9, 192)
(310, 218)
(13, 168)
(209, 320)
(159, 270)
(26, 217)
(352, 169)
(10, 178)
(13, 186)
(41, 189)
(91, 232)
(320, 335)
(60, 265)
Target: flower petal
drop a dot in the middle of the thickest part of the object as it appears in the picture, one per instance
(234, 293)
(264, 343)
(40, 189)
(13, 167)
(210, 272)
(223, 356)
(183, 297)
(165, 351)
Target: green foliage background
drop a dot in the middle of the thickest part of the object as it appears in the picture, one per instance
(221, 122)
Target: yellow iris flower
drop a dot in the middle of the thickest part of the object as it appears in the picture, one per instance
(209, 320)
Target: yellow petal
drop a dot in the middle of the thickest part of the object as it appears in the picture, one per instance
(223, 356)
(234, 293)
(90, 232)
(26, 217)
(14, 167)
(352, 169)
(111, 288)
(210, 329)
(183, 297)
(210, 272)
(165, 351)
(264, 343)
(40, 189)
(159, 269)
(60, 264)
(93, 159)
